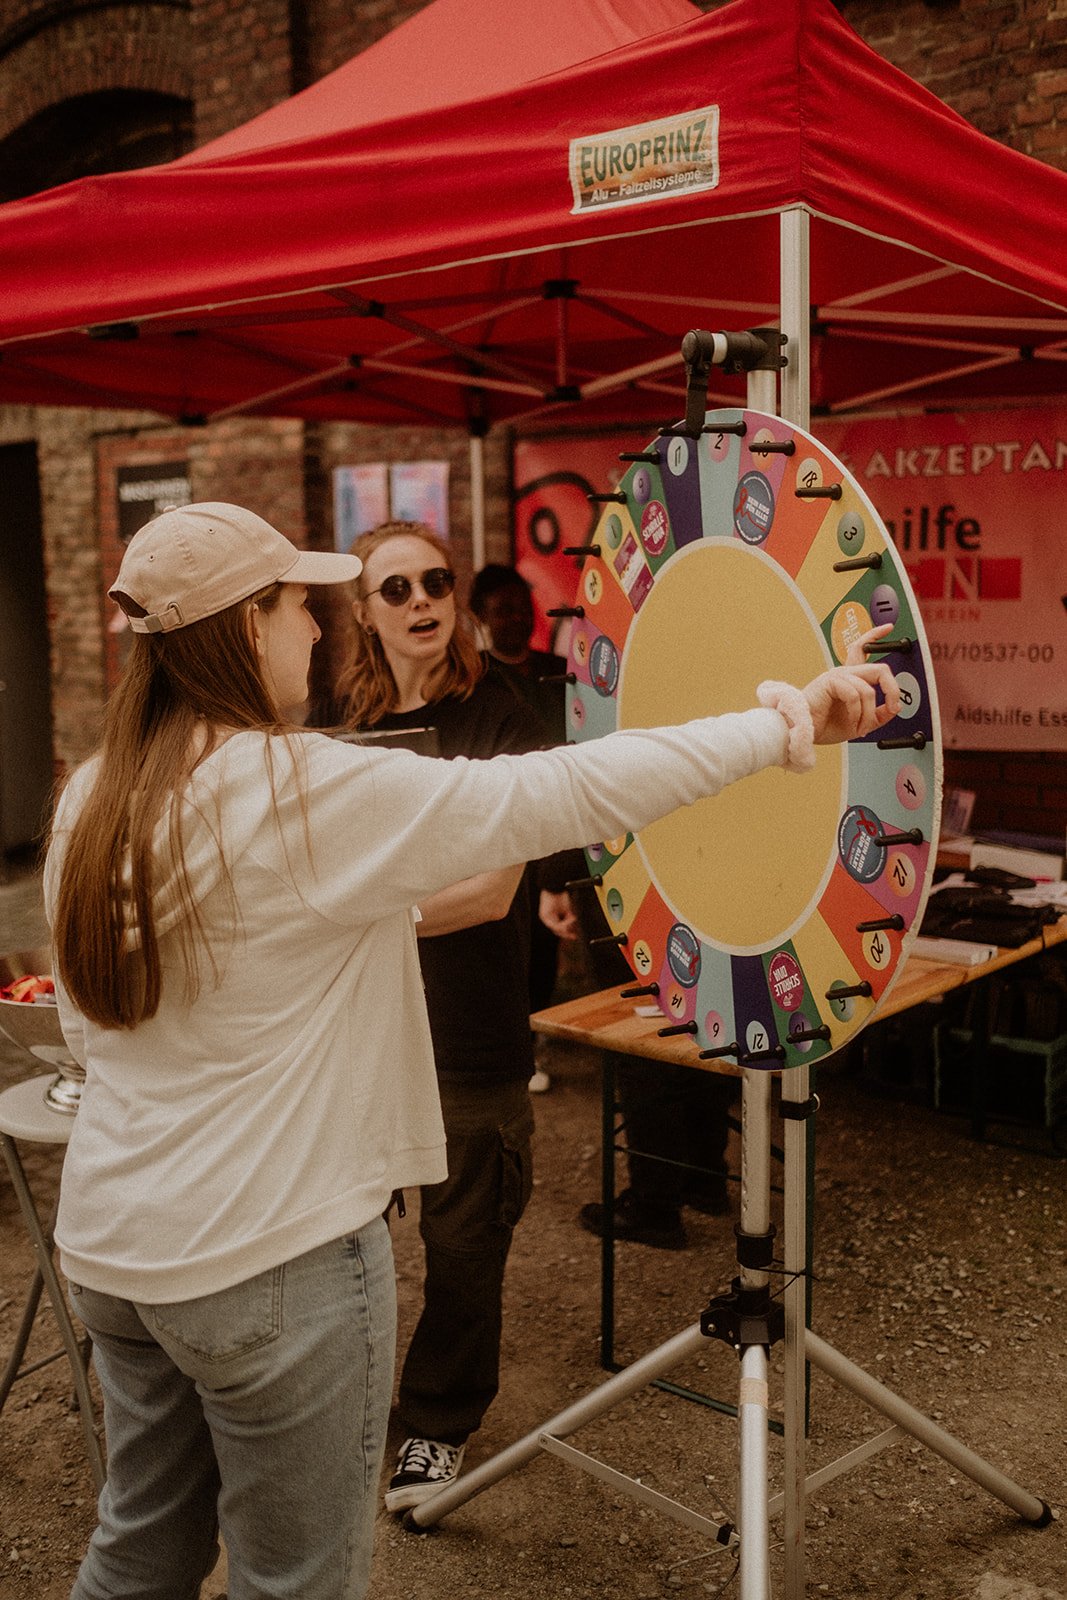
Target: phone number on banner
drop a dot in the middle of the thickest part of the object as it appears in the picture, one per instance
(964, 650)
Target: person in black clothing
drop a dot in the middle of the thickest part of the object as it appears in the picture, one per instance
(416, 677)
(502, 601)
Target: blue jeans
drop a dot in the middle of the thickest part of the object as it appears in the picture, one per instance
(260, 1410)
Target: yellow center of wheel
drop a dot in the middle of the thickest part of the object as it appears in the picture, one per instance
(745, 868)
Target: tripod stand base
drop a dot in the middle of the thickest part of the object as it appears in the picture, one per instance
(629, 1381)
(860, 1383)
(750, 1337)
(657, 1363)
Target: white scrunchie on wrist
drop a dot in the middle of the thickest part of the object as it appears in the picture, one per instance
(782, 697)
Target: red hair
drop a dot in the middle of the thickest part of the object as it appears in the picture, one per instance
(366, 686)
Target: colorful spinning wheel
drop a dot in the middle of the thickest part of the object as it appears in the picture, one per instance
(773, 918)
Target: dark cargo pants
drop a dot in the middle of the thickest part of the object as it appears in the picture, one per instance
(451, 1372)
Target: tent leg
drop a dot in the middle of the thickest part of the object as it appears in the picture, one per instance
(797, 1247)
(794, 270)
(477, 468)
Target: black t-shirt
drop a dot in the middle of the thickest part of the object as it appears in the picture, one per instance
(540, 680)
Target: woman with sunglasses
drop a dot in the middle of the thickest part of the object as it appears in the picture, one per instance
(233, 903)
(416, 676)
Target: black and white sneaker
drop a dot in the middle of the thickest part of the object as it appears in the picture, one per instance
(423, 1467)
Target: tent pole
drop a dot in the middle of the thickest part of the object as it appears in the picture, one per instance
(795, 306)
(798, 1106)
(477, 471)
(794, 269)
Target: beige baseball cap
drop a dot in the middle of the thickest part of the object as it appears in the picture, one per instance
(193, 561)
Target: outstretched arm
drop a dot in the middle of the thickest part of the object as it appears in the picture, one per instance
(423, 823)
(486, 897)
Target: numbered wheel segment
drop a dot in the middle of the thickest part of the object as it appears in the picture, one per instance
(773, 917)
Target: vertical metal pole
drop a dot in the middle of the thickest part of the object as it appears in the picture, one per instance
(795, 307)
(795, 1250)
(795, 319)
(477, 469)
(607, 1198)
(752, 1407)
(763, 392)
(754, 1491)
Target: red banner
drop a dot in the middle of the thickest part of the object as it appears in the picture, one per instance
(974, 503)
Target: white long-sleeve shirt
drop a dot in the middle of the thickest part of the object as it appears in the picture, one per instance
(282, 1106)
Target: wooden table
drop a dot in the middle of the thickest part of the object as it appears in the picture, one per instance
(608, 1022)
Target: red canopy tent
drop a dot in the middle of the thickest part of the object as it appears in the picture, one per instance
(450, 52)
(387, 247)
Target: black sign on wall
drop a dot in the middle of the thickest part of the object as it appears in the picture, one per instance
(145, 491)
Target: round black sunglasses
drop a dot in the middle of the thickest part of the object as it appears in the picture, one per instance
(396, 590)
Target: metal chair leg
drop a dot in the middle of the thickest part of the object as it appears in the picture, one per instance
(46, 1278)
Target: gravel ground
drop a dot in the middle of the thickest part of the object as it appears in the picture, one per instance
(941, 1268)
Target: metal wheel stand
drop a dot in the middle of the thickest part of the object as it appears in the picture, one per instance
(750, 1322)
(747, 1318)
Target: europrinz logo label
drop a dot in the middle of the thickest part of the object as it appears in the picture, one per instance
(652, 161)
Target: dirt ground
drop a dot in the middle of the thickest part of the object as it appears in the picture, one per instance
(941, 1268)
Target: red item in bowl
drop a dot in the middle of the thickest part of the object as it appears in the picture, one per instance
(28, 988)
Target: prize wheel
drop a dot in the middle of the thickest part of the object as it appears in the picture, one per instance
(770, 920)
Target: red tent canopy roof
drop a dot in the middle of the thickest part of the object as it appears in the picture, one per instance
(449, 53)
(432, 266)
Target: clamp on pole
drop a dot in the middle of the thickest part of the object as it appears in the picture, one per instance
(752, 350)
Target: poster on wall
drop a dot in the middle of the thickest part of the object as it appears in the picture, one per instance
(418, 492)
(143, 491)
(360, 501)
(974, 503)
(377, 491)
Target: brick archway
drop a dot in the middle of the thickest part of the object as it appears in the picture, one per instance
(56, 53)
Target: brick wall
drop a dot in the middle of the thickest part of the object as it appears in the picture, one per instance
(1002, 64)
(125, 47)
(338, 30)
(1024, 790)
(242, 61)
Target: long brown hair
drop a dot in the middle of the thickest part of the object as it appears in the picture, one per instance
(106, 946)
(366, 687)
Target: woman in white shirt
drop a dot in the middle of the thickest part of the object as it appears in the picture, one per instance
(233, 904)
